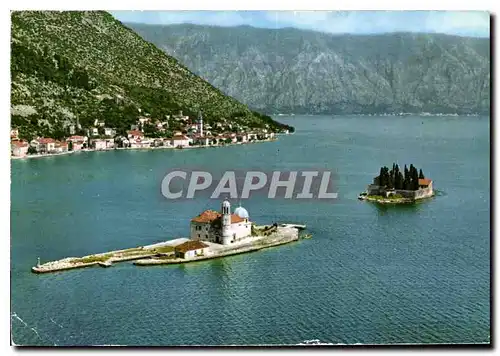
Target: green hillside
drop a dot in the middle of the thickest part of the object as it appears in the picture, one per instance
(80, 66)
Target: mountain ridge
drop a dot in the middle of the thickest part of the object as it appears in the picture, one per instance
(307, 72)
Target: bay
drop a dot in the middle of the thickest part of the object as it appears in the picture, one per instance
(370, 274)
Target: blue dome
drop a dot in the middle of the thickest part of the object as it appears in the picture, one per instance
(241, 212)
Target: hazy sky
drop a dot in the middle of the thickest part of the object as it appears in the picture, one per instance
(465, 23)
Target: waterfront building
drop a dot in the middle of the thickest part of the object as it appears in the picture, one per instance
(19, 148)
(191, 249)
(424, 190)
(180, 140)
(60, 146)
(222, 227)
(99, 144)
(46, 145)
(201, 141)
(77, 141)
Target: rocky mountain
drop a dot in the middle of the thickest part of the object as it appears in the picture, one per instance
(72, 66)
(298, 71)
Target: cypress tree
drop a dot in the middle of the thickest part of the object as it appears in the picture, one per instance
(381, 177)
(415, 179)
(421, 174)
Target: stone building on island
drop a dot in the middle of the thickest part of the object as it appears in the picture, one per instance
(190, 249)
(424, 190)
(221, 227)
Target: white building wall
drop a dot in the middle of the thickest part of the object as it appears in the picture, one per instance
(241, 229)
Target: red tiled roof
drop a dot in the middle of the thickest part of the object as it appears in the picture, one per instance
(236, 219)
(207, 216)
(190, 246)
(44, 140)
(180, 137)
(136, 133)
(19, 143)
(76, 138)
(425, 181)
(210, 215)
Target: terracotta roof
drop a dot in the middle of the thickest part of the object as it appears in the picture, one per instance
(210, 215)
(425, 181)
(207, 216)
(236, 219)
(190, 246)
(135, 133)
(180, 137)
(19, 143)
(44, 140)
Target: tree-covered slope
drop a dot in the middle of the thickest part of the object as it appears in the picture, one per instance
(86, 65)
(291, 70)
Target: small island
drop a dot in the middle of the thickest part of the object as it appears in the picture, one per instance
(213, 234)
(396, 187)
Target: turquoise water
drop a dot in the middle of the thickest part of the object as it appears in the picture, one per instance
(412, 274)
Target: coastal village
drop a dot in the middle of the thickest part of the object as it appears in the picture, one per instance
(146, 133)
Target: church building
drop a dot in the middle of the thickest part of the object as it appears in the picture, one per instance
(221, 227)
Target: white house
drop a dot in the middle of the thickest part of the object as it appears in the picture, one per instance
(180, 140)
(77, 141)
(46, 144)
(19, 148)
(99, 144)
(221, 227)
(14, 133)
(99, 123)
(190, 249)
(61, 146)
(109, 131)
(94, 131)
(144, 120)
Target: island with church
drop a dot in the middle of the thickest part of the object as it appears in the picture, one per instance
(396, 187)
(213, 234)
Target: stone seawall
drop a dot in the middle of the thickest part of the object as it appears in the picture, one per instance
(258, 245)
(163, 253)
(415, 194)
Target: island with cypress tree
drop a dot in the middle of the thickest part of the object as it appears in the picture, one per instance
(395, 186)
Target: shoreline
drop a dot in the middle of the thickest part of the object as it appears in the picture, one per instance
(231, 252)
(44, 155)
(393, 201)
(164, 253)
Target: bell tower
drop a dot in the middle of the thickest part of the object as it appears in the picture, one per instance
(200, 123)
(226, 222)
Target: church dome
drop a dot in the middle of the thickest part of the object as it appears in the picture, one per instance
(241, 212)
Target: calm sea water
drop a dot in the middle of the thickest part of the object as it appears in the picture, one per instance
(414, 274)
